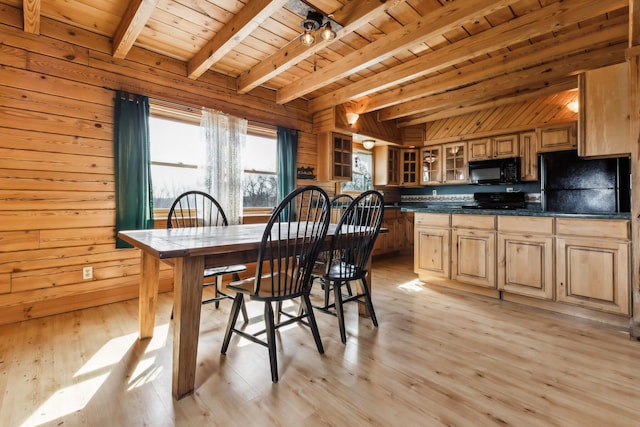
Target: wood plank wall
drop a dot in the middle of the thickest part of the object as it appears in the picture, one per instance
(520, 116)
(56, 173)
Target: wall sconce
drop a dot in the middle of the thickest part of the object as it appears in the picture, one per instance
(368, 143)
(574, 106)
(352, 118)
(312, 23)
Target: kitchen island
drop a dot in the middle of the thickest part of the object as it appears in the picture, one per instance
(576, 264)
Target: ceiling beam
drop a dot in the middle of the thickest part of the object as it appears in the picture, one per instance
(133, 21)
(542, 21)
(528, 56)
(565, 84)
(31, 16)
(254, 13)
(351, 16)
(435, 23)
(534, 78)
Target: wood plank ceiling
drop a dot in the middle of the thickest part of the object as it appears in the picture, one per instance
(410, 61)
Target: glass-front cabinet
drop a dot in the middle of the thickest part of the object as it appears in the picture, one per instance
(455, 163)
(431, 161)
(410, 168)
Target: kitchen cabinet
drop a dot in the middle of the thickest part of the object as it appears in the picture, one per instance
(409, 167)
(604, 112)
(335, 154)
(525, 256)
(528, 156)
(386, 165)
(432, 243)
(455, 163)
(557, 138)
(394, 239)
(473, 254)
(592, 264)
(496, 147)
(431, 165)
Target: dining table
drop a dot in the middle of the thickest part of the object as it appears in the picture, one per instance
(189, 250)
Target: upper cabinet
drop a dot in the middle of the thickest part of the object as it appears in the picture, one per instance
(528, 156)
(386, 165)
(410, 167)
(557, 137)
(455, 162)
(335, 157)
(431, 162)
(604, 112)
(497, 147)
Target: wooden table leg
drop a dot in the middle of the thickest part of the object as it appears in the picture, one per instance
(188, 275)
(148, 294)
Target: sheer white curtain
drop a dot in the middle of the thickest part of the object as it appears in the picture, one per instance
(224, 137)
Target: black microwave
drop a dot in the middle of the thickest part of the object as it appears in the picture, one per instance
(495, 171)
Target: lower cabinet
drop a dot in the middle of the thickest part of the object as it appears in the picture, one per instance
(592, 266)
(473, 253)
(395, 239)
(525, 256)
(551, 262)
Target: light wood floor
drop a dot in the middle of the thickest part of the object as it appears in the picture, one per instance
(438, 358)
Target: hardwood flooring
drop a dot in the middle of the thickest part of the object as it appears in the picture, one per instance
(439, 357)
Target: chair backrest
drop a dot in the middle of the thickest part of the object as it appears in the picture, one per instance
(339, 204)
(355, 235)
(195, 209)
(289, 249)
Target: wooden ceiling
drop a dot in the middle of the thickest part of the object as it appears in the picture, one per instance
(409, 61)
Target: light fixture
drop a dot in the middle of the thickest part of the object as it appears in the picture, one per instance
(368, 143)
(574, 106)
(313, 23)
(352, 118)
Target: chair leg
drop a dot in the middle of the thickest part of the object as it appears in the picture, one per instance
(245, 316)
(271, 340)
(218, 287)
(233, 317)
(306, 301)
(349, 291)
(337, 296)
(327, 289)
(368, 303)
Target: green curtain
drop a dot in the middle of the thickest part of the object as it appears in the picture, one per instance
(287, 161)
(134, 197)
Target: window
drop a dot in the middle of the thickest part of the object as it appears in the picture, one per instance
(361, 175)
(177, 152)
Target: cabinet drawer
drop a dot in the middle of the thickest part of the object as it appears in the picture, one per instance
(432, 220)
(482, 222)
(607, 228)
(525, 225)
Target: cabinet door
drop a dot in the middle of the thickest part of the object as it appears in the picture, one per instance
(431, 251)
(505, 146)
(593, 273)
(525, 265)
(557, 138)
(386, 165)
(431, 162)
(480, 149)
(528, 156)
(455, 163)
(342, 157)
(473, 257)
(408, 229)
(409, 175)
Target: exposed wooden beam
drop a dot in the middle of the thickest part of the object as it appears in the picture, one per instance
(543, 21)
(352, 16)
(568, 83)
(133, 21)
(440, 21)
(31, 16)
(509, 85)
(254, 13)
(531, 55)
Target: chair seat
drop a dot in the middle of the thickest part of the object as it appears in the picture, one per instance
(227, 269)
(267, 291)
(344, 272)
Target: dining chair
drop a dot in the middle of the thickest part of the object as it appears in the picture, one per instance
(349, 254)
(290, 245)
(339, 204)
(199, 209)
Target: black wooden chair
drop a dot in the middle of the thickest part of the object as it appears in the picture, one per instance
(290, 245)
(199, 209)
(349, 254)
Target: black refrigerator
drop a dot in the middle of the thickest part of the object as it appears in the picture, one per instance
(571, 184)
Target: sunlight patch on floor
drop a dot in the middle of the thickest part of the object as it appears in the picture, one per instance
(412, 286)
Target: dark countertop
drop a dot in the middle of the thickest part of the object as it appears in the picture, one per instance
(511, 212)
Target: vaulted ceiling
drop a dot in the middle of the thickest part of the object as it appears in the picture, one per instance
(409, 61)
